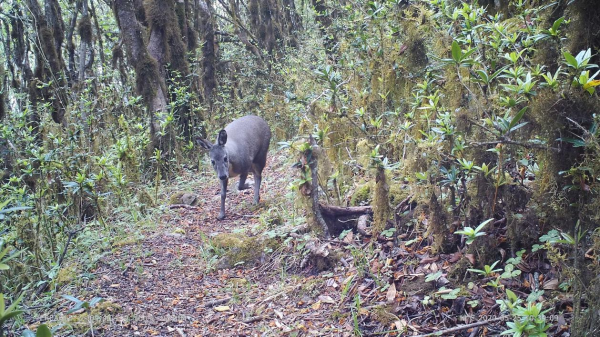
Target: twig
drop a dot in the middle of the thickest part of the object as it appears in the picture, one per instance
(512, 142)
(254, 319)
(183, 206)
(464, 327)
(281, 293)
(216, 302)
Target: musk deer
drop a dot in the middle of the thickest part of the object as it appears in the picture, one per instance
(240, 148)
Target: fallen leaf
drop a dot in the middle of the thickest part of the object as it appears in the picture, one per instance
(551, 284)
(455, 257)
(222, 308)
(401, 325)
(391, 293)
(316, 306)
(331, 283)
(349, 238)
(471, 258)
(326, 299)
(115, 285)
(430, 259)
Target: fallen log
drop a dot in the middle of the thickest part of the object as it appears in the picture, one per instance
(337, 211)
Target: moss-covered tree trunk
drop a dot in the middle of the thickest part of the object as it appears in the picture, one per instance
(164, 46)
(70, 43)
(49, 83)
(2, 91)
(325, 22)
(381, 207)
(85, 33)
(205, 24)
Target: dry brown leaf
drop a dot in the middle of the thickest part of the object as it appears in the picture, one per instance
(455, 257)
(429, 259)
(391, 293)
(349, 238)
(551, 284)
(115, 285)
(471, 258)
(316, 306)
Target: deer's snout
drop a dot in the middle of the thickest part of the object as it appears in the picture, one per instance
(223, 177)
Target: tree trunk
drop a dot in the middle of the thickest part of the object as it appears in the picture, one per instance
(98, 33)
(85, 34)
(70, 43)
(209, 56)
(324, 20)
(149, 81)
(49, 63)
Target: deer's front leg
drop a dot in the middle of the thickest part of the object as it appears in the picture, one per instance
(223, 196)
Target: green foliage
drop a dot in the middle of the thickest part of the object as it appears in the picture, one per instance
(8, 313)
(487, 270)
(528, 320)
(471, 234)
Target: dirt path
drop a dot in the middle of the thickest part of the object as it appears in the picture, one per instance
(163, 286)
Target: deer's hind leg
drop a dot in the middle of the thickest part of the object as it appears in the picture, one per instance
(242, 185)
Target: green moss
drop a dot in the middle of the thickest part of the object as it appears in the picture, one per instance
(146, 71)
(66, 275)
(2, 91)
(381, 206)
(363, 152)
(84, 28)
(384, 314)
(438, 228)
(362, 194)
(183, 197)
(145, 199)
(397, 192)
(80, 323)
(241, 249)
(228, 240)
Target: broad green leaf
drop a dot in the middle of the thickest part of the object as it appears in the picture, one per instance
(517, 118)
(10, 315)
(456, 52)
(518, 126)
(480, 227)
(15, 303)
(570, 59)
(43, 331)
(14, 209)
(72, 299)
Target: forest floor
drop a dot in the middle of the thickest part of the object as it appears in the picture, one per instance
(168, 285)
(170, 282)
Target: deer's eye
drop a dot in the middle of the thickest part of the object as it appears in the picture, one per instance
(225, 159)
(213, 162)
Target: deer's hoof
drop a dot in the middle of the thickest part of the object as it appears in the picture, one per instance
(221, 216)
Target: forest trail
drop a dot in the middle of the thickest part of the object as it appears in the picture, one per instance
(163, 285)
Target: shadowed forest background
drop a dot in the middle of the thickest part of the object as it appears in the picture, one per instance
(433, 167)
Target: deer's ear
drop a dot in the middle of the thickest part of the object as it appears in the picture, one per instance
(222, 139)
(204, 143)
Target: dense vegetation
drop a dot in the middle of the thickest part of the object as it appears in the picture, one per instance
(469, 127)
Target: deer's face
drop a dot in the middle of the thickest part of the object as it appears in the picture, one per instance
(219, 161)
